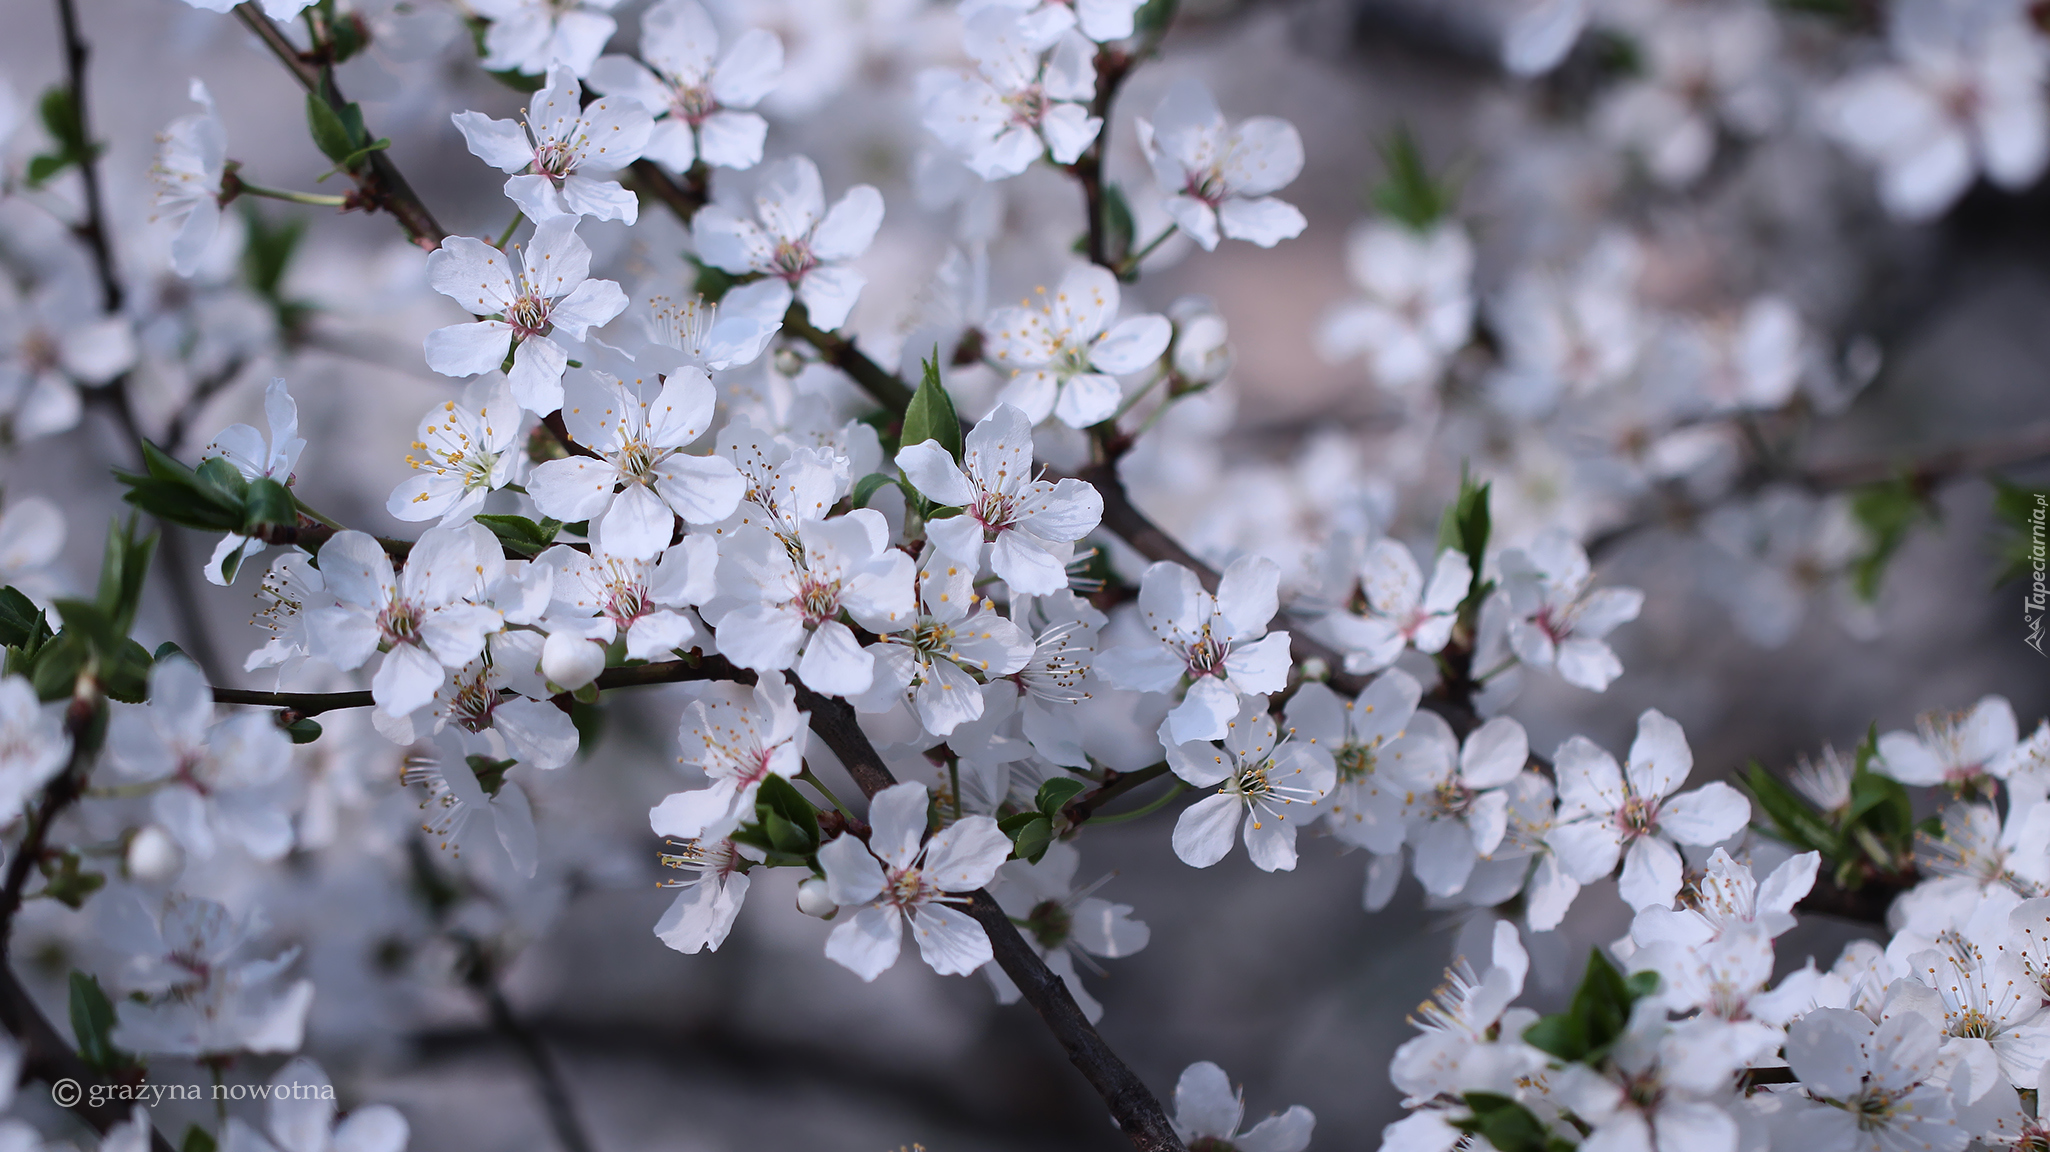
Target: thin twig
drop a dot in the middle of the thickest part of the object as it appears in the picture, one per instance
(378, 180)
(555, 1097)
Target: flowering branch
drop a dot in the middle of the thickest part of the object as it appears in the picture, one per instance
(1131, 1104)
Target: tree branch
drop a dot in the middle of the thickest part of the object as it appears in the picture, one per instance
(47, 1055)
(378, 181)
(1134, 1108)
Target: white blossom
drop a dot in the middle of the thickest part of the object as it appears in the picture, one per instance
(1217, 177)
(561, 151)
(1064, 354)
(1218, 644)
(899, 876)
(524, 298)
(800, 249)
(703, 99)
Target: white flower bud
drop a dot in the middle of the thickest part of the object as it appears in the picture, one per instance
(152, 855)
(813, 901)
(570, 661)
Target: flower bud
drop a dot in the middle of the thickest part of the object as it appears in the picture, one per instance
(813, 901)
(152, 855)
(570, 661)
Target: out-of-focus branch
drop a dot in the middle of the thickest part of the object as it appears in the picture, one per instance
(883, 386)
(94, 230)
(683, 198)
(47, 1055)
(555, 1097)
(379, 183)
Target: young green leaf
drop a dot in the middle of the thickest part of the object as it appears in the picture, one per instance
(1055, 794)
(92, 1022)
(931, 414)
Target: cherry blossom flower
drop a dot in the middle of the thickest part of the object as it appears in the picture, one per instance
(775, 598)
(1027, 102)
(192, 155)
(1402, 611)
(705, 906)
(53, 341)
(703, 98)
(1604, 809)
(1062, 923)
(603, 596)
(1062, 358)
(466, 454)
(1540, 33)
(1987, 1006)
(188, 991)
(471, 807)
(1966, 95)
(525, 297)
(1875, 1087)
(737, 737)
(1952, 748)
(1219, 644)
(940, 661)
(1703, 70)
(800, 248)
(1557, 620)
(699, 335)
(560, 153)
(1418, 307)
(1216, 177)
(244, 447)
(900, 876)
(1454, 1053)
(218, 782)
(300, 1117)
(1100, 20)
(641, 479)
(422, 620)
(1259, 780)
(531, 36)
(1207, 1114)
(34, 745)
(1457, 812)
(1366, 738)
(1022, 519)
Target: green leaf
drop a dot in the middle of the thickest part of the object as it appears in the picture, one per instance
(355, 159)
(2023, 515)
(1408, 193)
(197, 1140)
(1118, 229)
(1793, 819)
(330, 131)
(268, 502)
(124, 566)
(22, 624)
(520, 534)
(1033, 839)
(92, 1022)
(1591, 1024)
(1887, 511)
(1507, 1125)
(304, 730)
(931, 415)
(712, 282)
(124, 672)
(1055, 794)
(866, 488)
(67, 135)
(57, 666)
(66, 883)
(42, 167)
(490, 773)
(781, 805)
(1154, 16)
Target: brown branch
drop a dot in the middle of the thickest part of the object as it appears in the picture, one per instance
(1137, 1112)
(379, 183)
(48, 1055)
(2027, 446)
(627, 676)
(685, 198)
(839, 351)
